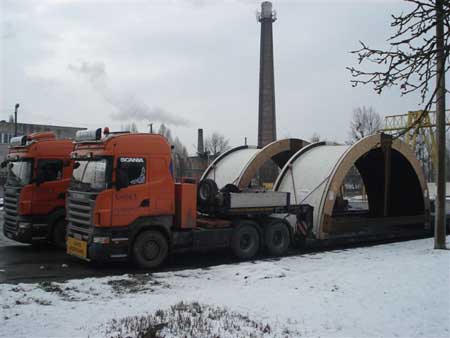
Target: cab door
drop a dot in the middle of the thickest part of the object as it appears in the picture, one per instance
(131, 197)
(48, 193)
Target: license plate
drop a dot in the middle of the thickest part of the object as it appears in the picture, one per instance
(76, 247)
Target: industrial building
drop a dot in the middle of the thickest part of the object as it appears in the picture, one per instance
(7, 130)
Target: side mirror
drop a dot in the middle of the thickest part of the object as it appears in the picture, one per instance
(122, 180)
(76, 165)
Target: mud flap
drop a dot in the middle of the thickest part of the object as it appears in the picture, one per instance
(304, 224)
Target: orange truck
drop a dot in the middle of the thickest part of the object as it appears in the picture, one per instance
(39, 170)
(124, 204)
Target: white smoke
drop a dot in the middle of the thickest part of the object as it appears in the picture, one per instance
(128, 107)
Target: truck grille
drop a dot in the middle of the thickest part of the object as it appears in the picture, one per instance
(80, 208)
(11, 206)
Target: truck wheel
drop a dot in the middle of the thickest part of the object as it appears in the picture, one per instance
(277, 238)
(245, 242)
(59, 234)
(150, 249)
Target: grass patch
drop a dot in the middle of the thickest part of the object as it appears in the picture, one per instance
(135, 284)
(194, 320)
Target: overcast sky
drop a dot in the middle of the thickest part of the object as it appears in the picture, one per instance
(191, 63)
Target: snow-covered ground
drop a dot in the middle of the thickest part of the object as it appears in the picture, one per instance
(393, 290)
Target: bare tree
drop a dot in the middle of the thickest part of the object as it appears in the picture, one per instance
(315, 137)
(365, 122)
(165, 131)
(180, 154)
(216, 144)
(413, 54)
(131, 127)
(423, 153)
(418, 54)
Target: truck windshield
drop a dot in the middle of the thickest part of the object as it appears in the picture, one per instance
(90, 175)
(19, 172)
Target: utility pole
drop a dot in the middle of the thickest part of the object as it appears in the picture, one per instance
(150, 128)
(15, 118)
(439, 223)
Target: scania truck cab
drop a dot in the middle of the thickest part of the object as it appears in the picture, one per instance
(125, 204)
(38, 175)
(121, 184)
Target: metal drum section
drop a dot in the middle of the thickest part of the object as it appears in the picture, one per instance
(240, 165)
(396, 189)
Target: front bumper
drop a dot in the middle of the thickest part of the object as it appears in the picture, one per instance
(103, 245)
(28, 230)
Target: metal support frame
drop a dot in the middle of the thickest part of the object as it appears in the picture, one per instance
(426, 128)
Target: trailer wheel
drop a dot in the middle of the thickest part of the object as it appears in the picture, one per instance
(150, 249)
(59, 232)
(277, 238)
(245, 241)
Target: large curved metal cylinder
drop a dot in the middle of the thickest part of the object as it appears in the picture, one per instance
(226, 168)
(316, 173)
(240, 165)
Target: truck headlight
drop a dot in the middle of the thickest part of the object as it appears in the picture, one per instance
(101, 240)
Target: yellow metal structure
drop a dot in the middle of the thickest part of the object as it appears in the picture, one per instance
(414, 126)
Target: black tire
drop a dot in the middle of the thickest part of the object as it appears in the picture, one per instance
(207, 191)
(245, 242)
(206, 194)
(150, 249)
(277, 238)
(59, 232)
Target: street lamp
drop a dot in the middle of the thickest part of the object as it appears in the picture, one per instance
(15, 119)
